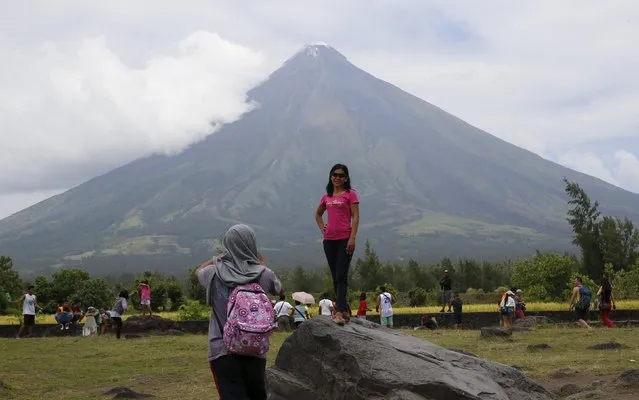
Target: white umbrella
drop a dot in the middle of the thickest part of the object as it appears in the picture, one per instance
(304, 298)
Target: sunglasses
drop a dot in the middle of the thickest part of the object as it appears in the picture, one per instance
(338, 175)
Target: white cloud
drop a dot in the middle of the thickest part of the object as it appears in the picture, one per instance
(620, 168)
(557, 78)
(627, 170)
(75, 105)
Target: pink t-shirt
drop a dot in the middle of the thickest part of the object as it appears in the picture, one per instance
(145, 292)
(338, 207)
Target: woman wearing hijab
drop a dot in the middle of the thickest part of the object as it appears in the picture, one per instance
(236, 377)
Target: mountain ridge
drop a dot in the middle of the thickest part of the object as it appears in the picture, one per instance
(431, 184)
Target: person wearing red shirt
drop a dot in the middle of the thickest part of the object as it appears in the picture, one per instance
(363, 306)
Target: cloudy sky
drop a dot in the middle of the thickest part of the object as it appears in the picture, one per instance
(86, 86)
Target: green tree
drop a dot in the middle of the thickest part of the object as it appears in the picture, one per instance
(544, 276)
(174, 293)
(94, 292)
(300, 281)
(369, 268)
(10, 283)
(626, 283)
(417, 297)
(194, 289)
(619, 240)
(584, 219)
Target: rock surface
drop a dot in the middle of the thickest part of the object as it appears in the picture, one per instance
(122, 392)
(363, 361)
(588, 395)
(629, 378)
(606, 346)
(540, 346)
(490, 332)
(530, 322)
(567, 390)
(146, 323)
(564, 373)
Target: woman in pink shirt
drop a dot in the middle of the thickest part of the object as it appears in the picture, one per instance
(340, 232)
(145, 297)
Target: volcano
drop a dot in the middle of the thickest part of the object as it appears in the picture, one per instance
(430, 184)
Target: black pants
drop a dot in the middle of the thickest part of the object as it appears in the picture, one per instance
(339, 261)
(117, 321)
(239, 377)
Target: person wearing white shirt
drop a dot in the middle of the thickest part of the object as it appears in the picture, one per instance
(281, 310)
(385, 302)
(507, 307)
(326, 306)
(28, 310)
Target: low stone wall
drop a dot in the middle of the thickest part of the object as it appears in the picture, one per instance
(471, 321)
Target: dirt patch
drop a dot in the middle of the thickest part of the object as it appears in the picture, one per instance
(588, 382)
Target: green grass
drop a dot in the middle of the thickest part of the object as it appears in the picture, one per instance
(176, 367)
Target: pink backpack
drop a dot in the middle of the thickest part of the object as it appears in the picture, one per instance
(250, 321)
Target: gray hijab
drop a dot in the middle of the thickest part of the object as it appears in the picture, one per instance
(239, 263)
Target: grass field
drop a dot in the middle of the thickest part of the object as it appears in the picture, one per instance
(621, 305)
(176, 367)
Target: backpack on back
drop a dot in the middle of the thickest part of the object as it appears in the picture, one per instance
(118, 307)
(585, 297)
(250, 321)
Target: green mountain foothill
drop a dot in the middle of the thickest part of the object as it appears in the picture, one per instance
(430, 184)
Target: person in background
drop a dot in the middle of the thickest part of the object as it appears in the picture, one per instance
(64, 315)
(105, 319)
(282, 309)
(119, 308)
(326, 306)
(78, 314)
(385, 302)
(429, 322)
(299, 313)
(580, 301)
(29, 305)
(457, 304)
(446, 285)
(363, 306)
(520, 306)
(501, 316)
(145, 297)
(606, 303)
(507, 308)
(235, 376)
(340, 234)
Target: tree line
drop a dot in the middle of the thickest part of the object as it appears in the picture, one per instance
(609, 248)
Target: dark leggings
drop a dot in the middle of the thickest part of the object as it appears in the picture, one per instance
(117, 321)
(339, 262)
(239, 377)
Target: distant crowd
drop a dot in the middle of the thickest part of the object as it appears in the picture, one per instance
(93, 320)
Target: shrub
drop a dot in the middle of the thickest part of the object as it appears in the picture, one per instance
(192, 310)
(417, 297)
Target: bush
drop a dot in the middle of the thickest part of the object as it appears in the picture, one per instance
(626, 283)
(586, 281)
(389, 288)
(417, 297)
(192, 310)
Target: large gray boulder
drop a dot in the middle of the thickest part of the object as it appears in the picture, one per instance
(363, 361)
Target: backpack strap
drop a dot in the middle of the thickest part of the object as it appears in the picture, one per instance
(300, 313)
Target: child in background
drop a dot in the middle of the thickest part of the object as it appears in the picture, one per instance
(363, 306)
(457, 304)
